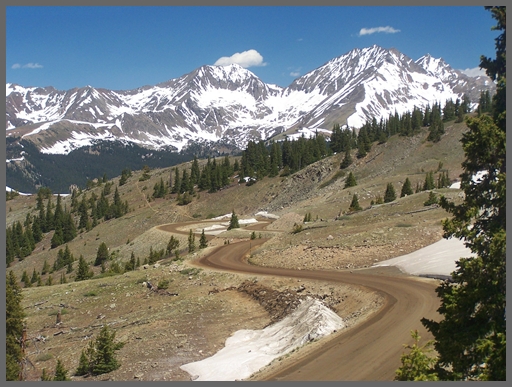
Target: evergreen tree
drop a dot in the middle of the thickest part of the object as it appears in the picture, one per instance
(172, 245)
(37, 231)
(418, 363)
(105, 360)
(195, 173)
(176, 189)
(351, 181)
(82, 211)
(34, 277)
(49, 218)
(470, 338)
(233, 222)
(58, 236)
(361, 148)
(46, 267)
(145, 173)
(347, 160)
(432, 199)
(14, 316)
(429, 181)
(24, 279)
(45, 377)
(191, 242)
(132, 263)
(203, 242)
(125, 174)
(99, 357)
(68, 227)
(406, 188)
(354, 205)
(102, 254)
(390, 193)
(61, 374)
(83, 271)
(84, 366)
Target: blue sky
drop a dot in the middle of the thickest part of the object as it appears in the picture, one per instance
(122, 48)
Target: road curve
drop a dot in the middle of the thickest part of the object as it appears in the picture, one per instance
(370, 350)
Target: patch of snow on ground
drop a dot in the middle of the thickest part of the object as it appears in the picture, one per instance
(247, 221)
(247, 351)
(437, 259)
(222, 217)
(9, 189)
(265, 214)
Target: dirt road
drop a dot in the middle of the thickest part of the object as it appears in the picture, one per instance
(368, 351)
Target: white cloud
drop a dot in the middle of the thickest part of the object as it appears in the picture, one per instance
(32, 66)
(295, 73)
(27, 66)
(474, 72)
(386, 30)
(245, 59)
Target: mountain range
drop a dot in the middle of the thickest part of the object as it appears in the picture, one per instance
(231, 105)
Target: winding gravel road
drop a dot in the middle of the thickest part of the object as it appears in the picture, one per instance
(370, 350)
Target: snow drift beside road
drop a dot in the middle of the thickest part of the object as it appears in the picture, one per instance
(247, 351)
(438, 259)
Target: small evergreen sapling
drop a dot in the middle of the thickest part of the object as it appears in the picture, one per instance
(351, 181)
(354, 206)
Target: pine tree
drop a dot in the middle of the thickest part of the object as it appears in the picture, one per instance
(102, 254)
(35, 276)
(45, 377)
(233, 222)
(82, 210)
(46, 267)
(14, 316)
(203, 242)
(406, 188)
(470, 337)
(105, 359)
(172, 245)
(83, 271)
(84, 365)
(354, 205)
(432, 199)
(351, 181)
(61, 374)
(191, 242)
(24, 279)
(429, 181)
(390, 193)
(418, 363)
(176, 188)
(347, 160)
(68, 227)
(99, 357)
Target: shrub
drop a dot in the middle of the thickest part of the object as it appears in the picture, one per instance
(163, 284)
(432, 199)
(297, 228)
